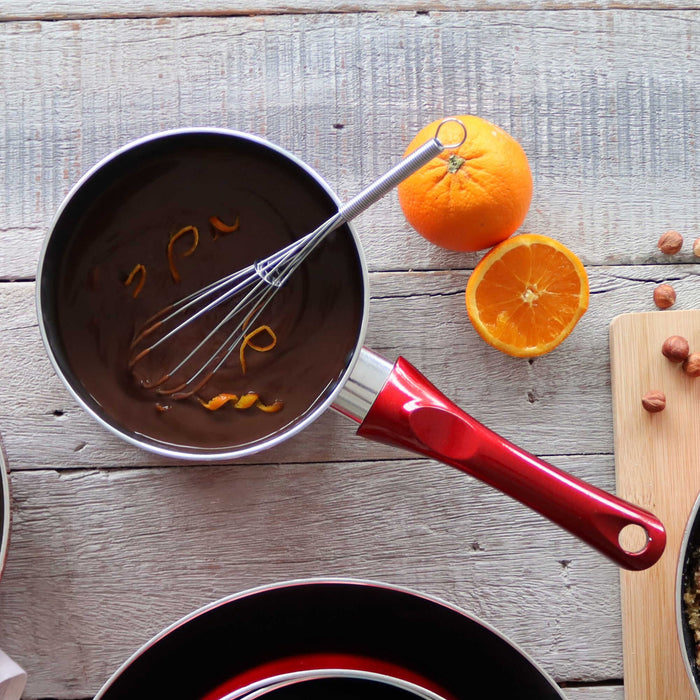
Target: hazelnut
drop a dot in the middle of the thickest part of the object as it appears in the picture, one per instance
(692, 365)
(696, 248)
(664, 296)
(676, 348)
(654, 401)
(670, 242)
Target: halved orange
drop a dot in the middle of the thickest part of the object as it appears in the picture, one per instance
(527, 294)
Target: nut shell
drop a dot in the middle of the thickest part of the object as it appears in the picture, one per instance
(654, 401)
(664, 296)
(670, 242)
(696, 248)
(692, 365)
(676, 348)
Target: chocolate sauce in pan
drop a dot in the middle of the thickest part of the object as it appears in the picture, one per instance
(180, 182)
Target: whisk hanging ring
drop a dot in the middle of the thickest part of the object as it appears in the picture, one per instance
(458, 142)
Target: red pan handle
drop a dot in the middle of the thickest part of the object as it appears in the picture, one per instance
(410, 412)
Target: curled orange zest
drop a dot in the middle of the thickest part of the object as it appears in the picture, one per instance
(215, 403)
(246, 321)
(246, 401)
(259, 348)
(138, 269)
(270, 408)
(242, 403)
(171, 256)
(220, 226)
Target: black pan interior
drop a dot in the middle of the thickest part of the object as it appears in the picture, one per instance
(439, 643)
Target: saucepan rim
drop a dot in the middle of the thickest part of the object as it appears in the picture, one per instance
(185, 452)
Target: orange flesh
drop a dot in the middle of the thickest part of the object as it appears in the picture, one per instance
(526, 300)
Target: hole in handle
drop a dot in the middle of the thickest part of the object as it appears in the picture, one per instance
(634, 539)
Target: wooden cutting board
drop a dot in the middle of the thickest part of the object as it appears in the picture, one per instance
(657, 461)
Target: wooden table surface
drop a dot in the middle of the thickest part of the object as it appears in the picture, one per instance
(109, 543)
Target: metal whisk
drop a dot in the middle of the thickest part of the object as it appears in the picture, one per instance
(251, 289)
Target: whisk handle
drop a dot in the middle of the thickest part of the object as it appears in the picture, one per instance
(398, 173)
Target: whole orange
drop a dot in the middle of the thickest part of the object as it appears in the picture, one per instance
(471, 197)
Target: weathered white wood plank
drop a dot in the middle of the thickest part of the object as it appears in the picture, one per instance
(74, 9)
(102, 560)
(605, 692)
(603, 102)
(419, 316)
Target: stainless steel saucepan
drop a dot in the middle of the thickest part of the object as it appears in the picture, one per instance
(389, 401)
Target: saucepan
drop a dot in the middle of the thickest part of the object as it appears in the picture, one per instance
(88, 313)
(318, 635)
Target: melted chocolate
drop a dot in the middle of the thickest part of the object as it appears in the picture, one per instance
(125, 214)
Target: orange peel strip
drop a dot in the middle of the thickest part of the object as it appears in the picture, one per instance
(264, 348)
(138, 269)
(171, 255)
(246, 401)
(273, 407)
(246, 321)
(220, 226)
(215, 403)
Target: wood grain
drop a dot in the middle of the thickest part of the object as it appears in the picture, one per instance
(603, 102)
(601, 692)
(656, 464)
(105, 538)
(419, 316)
(602, 96)
(101, 560)
(76, 9)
